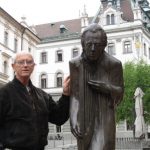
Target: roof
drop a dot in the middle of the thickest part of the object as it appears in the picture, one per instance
(53, 29)
(127, 10)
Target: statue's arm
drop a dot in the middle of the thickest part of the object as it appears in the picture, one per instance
(74, 100)
(117, 83)
(114, 87)
(74, 123)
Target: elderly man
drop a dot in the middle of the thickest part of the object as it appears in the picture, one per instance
(96, 89)
(25, 110)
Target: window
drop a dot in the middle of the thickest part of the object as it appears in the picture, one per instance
(59, 79)
(62, 28)
(59, 55)
(5, 67)
(43, 81)
(15, 44)
(44, 57)
(111, 48)
(127, 47)
(75, 52)
(58, 128)
(110, 19)
(29, 49)
(6, 38)
(145, 52)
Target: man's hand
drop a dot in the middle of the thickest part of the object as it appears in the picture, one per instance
(66, 86)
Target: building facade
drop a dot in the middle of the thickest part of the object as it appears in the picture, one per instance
(14, 37)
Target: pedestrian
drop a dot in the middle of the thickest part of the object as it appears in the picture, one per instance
(96, 89)
(25, 110)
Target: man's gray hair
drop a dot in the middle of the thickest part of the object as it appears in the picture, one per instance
(23, 52)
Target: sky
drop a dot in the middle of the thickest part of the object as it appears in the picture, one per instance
(48, 11)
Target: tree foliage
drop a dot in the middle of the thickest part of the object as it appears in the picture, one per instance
(135, 75)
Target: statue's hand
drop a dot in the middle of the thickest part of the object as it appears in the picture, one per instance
(99, 86)
(75, 129)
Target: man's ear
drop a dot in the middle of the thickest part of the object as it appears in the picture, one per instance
(13, 66)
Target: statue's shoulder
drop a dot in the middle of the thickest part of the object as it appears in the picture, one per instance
(76, 61)
(111, 59)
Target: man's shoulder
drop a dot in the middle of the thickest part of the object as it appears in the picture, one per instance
(6, 86)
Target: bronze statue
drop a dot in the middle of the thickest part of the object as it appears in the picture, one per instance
(96, 90)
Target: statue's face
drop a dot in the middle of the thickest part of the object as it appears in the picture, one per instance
(93, 46)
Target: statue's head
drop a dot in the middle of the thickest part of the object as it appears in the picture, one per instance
(94, 41)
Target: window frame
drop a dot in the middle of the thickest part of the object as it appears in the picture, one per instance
(43, 81)
(5, 67)
(59, 55)
(127, 48)
(59, 79)
(76, 50)
(110, 19)
(15, 44)
(6, 36)
(43, 57)
(111, 48)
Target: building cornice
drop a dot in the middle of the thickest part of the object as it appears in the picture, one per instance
(61, 37)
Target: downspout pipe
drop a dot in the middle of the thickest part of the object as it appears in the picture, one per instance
(22, 38)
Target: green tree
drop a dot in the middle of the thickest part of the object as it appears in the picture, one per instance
(135, 75)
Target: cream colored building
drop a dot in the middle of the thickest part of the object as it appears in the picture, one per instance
(14, 37)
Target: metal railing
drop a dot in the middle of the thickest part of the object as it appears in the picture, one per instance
(66, 141)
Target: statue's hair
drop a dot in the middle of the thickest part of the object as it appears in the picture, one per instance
(23, 52)
(94, 28)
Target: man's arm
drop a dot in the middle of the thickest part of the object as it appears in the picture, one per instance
(59, 111)
(2, 95)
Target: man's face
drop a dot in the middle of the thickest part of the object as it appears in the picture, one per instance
(93, 45)
(23, 66)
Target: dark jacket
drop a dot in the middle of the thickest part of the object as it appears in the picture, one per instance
(24, 118)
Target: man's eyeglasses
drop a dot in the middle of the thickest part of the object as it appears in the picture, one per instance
(23, 62)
